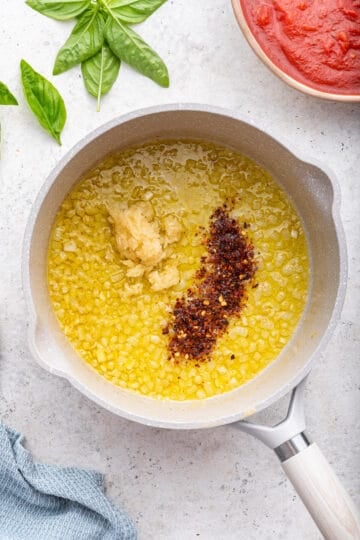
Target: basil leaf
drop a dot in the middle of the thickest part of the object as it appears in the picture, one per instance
(6, 97)
(85, 40)
(132, 11)
(44, 100)
(60, 10)
(100, 72)
(138, 4)
(130, 48)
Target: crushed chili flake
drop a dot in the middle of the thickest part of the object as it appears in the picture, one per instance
(201, 317)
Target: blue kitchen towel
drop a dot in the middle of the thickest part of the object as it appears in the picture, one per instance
(46, 502)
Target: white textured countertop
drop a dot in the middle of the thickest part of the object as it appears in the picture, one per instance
(214, 484)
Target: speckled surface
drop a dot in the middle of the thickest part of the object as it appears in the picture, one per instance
(215, 484)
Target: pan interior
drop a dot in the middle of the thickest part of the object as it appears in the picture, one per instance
(170, 197)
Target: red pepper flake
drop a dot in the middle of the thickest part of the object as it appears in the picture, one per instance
(201, 317)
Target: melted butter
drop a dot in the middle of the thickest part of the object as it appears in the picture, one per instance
(120, 334)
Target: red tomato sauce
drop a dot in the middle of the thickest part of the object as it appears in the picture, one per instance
(317, 42)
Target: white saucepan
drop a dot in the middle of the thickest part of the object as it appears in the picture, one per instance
(315, 194)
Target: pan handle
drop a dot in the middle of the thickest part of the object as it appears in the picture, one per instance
(323, 495)
(310, 473)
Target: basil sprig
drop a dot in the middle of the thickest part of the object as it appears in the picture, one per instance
(44, 100)
(101, 39)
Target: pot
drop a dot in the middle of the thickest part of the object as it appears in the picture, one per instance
(315, 194)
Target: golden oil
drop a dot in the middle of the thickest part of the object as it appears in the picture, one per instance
(120, 334)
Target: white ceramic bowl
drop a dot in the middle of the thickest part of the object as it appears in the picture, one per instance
(254, 44)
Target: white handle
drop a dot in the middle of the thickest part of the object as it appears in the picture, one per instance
(323, 495)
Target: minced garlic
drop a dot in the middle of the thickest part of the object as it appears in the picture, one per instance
(164, 279)
(137, 234)
(142, 238)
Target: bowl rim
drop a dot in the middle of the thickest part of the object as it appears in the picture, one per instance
(297, 85)
(296, 377)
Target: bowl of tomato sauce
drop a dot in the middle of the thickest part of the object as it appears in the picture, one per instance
(312, 45)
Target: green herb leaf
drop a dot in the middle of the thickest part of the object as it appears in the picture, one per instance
(6, 97)
(100, 72)
(138, 4)
(85, 40)
(44, 101)
(60, 10)
(130, 48)
(132, 11)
